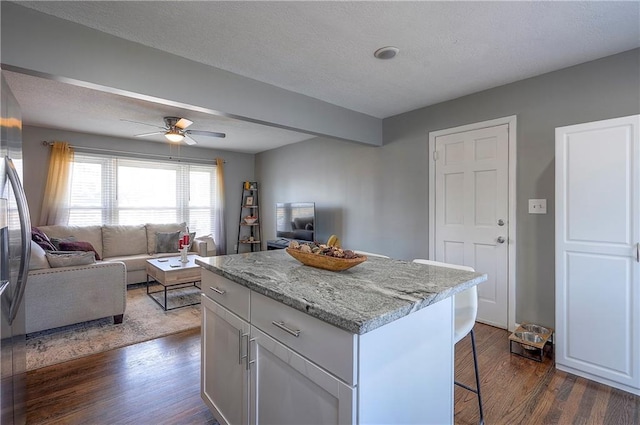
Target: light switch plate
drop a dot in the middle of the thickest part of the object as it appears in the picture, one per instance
(537, 206)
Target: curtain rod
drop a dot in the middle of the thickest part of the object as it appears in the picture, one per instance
(147, 155)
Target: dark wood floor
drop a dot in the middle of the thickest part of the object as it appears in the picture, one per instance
(520, 391)
(155, 382)
(158, 382)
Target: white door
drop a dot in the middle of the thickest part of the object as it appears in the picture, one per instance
(597, 257)
(225, 374)
(288, 389)
(472, 211)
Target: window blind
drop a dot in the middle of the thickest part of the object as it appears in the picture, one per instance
(119, 190)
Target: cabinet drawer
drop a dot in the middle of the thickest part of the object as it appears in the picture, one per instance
(320, 342)
(229, 294)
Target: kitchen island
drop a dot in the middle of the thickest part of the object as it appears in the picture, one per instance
(286, 343)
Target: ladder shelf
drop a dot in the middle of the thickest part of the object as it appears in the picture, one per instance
(249, 229)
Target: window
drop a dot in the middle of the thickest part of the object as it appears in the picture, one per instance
(115, 190)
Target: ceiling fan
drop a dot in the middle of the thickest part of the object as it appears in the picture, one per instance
(175, 130)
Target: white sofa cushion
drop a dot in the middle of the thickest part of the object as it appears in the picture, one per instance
(70, 259)
(124, 240)
(139, 261)
(38, 258)
(91, 234)
(152, 228)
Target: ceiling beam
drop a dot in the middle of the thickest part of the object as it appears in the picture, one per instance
(50, 47)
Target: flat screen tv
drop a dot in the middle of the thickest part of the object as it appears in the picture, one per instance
(296, 220)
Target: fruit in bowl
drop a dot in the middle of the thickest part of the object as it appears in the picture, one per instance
(250, 219)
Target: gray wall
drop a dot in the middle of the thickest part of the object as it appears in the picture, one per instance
(238, 168)
(376, 199)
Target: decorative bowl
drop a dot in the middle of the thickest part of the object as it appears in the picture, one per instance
(250, 220)
(325, 262)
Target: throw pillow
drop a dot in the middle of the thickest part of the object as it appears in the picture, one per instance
(56, 241)
(167, 242)
(38, 257)
(78, 246)
(69, 259)
(152, 229)
(39, 237)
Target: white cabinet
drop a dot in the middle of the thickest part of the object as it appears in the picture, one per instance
(279, 375)
(282, 378)
(225, 375)
(598, 251)
(264, 363)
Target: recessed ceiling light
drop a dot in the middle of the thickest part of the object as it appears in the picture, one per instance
(388, 52)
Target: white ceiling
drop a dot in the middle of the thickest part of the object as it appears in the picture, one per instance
(53, 104)
(324, 50)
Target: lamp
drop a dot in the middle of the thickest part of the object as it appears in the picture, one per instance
(174, 135)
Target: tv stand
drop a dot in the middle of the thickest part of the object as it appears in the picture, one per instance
(278, 243)
(282, 243)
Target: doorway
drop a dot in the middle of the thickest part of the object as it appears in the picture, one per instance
(472, 214)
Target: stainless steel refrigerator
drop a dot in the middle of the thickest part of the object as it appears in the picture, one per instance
(15, 252)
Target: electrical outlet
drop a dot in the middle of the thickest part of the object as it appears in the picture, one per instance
(537, 206)
(235, 247)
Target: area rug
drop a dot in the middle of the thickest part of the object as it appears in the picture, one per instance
(143, 320)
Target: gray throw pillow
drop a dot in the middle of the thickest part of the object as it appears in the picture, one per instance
(56, 241)
(167, 242)
(70, 258)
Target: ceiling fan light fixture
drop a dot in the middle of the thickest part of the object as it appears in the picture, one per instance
(174, 136)
(388, 52)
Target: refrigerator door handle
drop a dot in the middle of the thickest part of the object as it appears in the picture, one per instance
(4, 284)
(25, 236)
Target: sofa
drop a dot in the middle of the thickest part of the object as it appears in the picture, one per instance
(133, 245)
(64, 296)
(60, 296)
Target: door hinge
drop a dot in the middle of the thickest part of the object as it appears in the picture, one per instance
(435, 155)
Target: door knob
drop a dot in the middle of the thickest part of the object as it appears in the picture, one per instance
(500, 222)
(500, 239)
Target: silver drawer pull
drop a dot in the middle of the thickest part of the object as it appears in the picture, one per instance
(240, 356)
(219, 291)
(284, 327)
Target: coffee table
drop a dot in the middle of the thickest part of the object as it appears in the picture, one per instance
(171, 273)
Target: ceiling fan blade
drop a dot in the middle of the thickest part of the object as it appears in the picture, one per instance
(205, 133)
(143, 123)
(189, 140)
(183, 123)
(148, 134)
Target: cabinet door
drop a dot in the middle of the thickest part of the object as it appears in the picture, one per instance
(224, 373)
(597, 264)
(287, 389)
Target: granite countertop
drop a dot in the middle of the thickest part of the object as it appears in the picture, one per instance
(357, 300)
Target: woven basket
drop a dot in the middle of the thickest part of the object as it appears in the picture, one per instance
(325, 262)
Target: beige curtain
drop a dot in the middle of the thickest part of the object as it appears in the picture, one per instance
(220, 236)
(55, 203)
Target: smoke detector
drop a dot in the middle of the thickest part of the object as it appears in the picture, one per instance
(388, 52)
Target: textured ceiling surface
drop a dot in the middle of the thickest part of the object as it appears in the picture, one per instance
(52, 104)
(324, 49)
